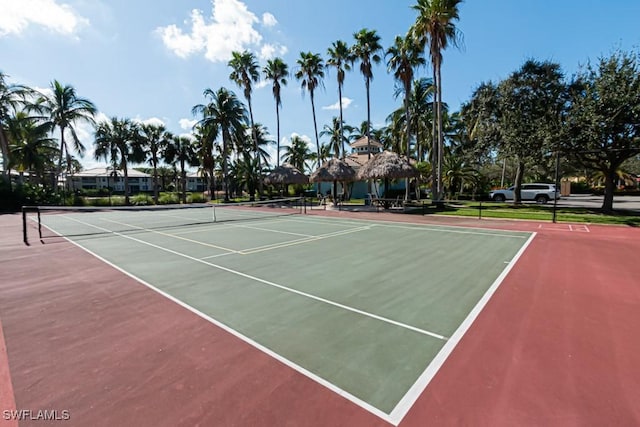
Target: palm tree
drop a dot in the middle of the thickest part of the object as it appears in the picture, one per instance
(297, 153)
(244, 73)
(277, 71)
(366, 51)
(311, 72)
(225, 114)
(63, 109)
(335, 132)
(435, 25)
(207, 146)
(30, 145)
(154, 140)
(182, 150)
(341, 58)
(11, 96)
(404, 56)
(118, 142)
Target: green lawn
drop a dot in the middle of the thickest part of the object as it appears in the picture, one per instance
(532, 212)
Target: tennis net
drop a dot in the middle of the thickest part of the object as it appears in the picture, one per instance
(70, 221)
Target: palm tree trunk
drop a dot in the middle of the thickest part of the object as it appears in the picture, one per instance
(126, 180)
(59, 170)
(183, 181)
(278, 132)
(155, 179)
(315, 128)
(440, 133)
(254, 136)
(434, 144)
(225, 174)
(407, 91)
(344, 153)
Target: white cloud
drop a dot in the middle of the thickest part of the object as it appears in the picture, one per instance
(187, 124)
(269, 51)
(268, 20)
(230, 28)
(345, 104)
(18, 15)
(150, 121)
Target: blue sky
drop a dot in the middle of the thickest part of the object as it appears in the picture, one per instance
(153, 59)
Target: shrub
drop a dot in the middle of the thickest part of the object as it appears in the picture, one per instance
(168, 199)
(142, 200)
(196, 198)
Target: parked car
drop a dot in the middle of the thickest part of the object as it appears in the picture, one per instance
(539, 192)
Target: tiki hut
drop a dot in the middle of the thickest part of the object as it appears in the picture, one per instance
(387, 165)
(286, 174)
(334, 170)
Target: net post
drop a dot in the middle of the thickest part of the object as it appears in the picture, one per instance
(25, 237)
(39, 224)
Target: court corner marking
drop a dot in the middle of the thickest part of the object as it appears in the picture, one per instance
(409, 399)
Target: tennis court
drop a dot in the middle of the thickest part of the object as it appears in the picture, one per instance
(369, 309)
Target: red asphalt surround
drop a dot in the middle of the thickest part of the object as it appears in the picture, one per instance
(556, 345)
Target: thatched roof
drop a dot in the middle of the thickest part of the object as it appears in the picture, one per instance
(286, 174)
(334, 170)
(387, 165)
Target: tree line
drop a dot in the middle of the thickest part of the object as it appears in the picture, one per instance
(531, 120)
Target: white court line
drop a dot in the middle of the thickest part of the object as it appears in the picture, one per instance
(409, 399)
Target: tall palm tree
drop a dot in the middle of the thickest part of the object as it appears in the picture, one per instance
(154, 140)
(245, 73)
(435, 25)
(277, 71)
(403, 58)
(181, 150)
(226, 114)
(63, 109)
(311, 72)
(341, 58)
(366, 50)
(118, 142)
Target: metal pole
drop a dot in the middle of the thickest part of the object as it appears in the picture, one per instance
(557, 183)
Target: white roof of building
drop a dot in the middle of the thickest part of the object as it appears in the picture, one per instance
(109, 172)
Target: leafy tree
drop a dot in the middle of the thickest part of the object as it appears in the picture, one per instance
(154, 140)
(30, 145)
(603, 121)
(181, 150)
(341, 58)
(520, 117)
(335, 132)
(366, 50)
(223, 113)
(435, 25)
(206, 149)
(277, 71)
(118, 142)
(11, 97)
(311, 73)
(297, 153)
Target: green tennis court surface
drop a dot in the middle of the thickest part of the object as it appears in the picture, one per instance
(362, 307)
